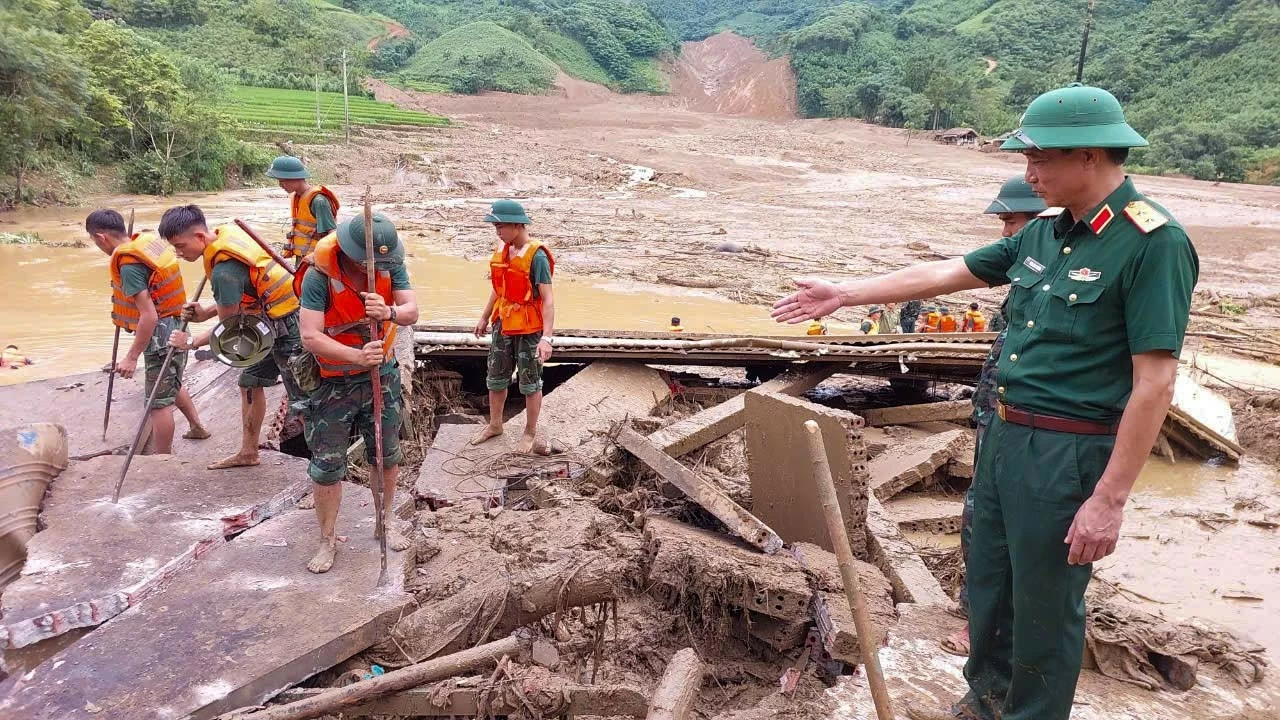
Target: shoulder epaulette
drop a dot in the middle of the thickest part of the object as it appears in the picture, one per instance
(1051, 212)
(1145, 217)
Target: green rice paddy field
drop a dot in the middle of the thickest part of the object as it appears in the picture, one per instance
(256, 108)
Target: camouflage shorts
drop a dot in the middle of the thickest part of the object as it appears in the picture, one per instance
(338, 410)
(170, 382)
(514, 353)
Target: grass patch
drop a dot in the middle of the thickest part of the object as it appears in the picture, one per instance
(573, 58)
(647, 76)
(255, 109)
(482, 56)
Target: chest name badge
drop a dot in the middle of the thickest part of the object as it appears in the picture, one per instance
(1035, 265)
(1085, 275)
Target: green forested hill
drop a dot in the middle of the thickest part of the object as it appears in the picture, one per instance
(1200, 77)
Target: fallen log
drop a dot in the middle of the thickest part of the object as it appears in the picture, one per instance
(338, 699)
(678, 689)
(712, 499)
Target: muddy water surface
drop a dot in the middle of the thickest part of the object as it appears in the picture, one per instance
(56, 302)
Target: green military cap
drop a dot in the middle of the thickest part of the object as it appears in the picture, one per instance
(507, 211)
(241, 340)
(1076, 116)
(874, 309)
(388, 251)
(1016, 196)
(944, 310)
(287, 167)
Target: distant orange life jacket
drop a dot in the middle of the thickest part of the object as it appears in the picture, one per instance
(947, 323)
(932, 322)
(345, 320)
(270, 279)
(308, 261)
(519, 311)
(303, 236)
(975, 321)
(165, 286)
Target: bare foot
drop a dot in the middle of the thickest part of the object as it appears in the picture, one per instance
(489, 432)
(237, 460)
(395, 539)
(957, 643)
(308, 502)
(526, 443)
(324, 558)
(197, 433)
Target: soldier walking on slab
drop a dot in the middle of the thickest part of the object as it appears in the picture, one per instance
(1097, 314)
(146, 299)
(313, 209)
(1016, 205)
(336, 303)
(245, 281)
(521, 309)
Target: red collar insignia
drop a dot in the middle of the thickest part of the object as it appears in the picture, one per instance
(1102, 219)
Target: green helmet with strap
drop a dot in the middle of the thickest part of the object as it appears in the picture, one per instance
(241, 340)
(287, 167)
(507, 211)
(1016, 196)
(388, 251)
(1076, 116)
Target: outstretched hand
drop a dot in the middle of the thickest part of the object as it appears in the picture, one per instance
(816, 298)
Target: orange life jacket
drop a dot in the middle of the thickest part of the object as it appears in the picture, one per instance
(932, 321)
(947, 323)
(308, 261)
(975, 320)
(516, 307)
(345, 320)
(165, 285)
(270, 279)
(303, 236)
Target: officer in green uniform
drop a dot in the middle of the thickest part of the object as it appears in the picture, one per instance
(1097, 315)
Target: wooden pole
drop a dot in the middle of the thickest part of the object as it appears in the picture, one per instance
(334, 700)
(346, 100)
(678, 689)
(263, 244)
(115, 353)
(867, 639)
(317, 101)
(151, 397)
(375, 377)
(1084, 42)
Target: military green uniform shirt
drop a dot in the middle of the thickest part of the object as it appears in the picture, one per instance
(1087, 295)
(323, 212)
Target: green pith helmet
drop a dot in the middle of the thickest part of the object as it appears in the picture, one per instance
(388, 251)
(943, 310)
(1016, 196)
(241, 340)
(874, 309)
(287, 167)
(1076, 116)
(507, 211)
(930, 309)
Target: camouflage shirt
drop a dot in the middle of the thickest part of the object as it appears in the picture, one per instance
(984, 395)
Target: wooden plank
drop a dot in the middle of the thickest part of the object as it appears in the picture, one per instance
(464, 700)
(245, 622)
(711, 498)
(927, 412)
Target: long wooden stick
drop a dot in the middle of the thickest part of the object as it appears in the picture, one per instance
(336, 699)
(678, 689)
(151, 397)
(264, 245)
(868, 641)
(115, 350)
(376, 379)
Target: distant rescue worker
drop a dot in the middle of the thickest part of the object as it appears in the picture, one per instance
(147, 296)
(675, 325)
(974, 320)
(521, 311)
(1021, 205)
(1097, 315)
(245, 281)
(313, 209)
(890, 319)
(932, 320)
(816, 328)
(911, 315)
(13, 358)
(946, 321)
(871, 326)
(336, 304)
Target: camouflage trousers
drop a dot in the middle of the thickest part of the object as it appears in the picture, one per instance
(341, 409)
(514, 353)
(985, 399)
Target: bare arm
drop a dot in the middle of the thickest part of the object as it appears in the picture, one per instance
(406, 306)
(548, 321)
(483, 325)
(819, 298)
(316, 341)
(1096, 528)
(147, 319)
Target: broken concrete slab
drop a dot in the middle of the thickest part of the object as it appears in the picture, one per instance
(705, 494)
(902, 466)
(244, 623)
(926, 512)
(783, 492)
(574, 414)
(899, 560)
(94, 560)
(831, 611)
(31, 456)
(927, 412)
(689, 562)
(781, 635)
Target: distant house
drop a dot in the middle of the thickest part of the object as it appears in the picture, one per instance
(993, 144)
(958, 136)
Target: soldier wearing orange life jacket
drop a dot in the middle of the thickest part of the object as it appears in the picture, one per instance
(337, 304)
(146, 299)
(521, 309)
(974, 320)
(313, 209)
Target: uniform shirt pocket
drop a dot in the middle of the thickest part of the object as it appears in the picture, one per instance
(1072, 309)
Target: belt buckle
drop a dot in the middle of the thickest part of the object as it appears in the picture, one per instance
(1000, 411)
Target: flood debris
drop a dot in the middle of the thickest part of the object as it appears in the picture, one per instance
(912, 462)
(676, 692)
(928, 412)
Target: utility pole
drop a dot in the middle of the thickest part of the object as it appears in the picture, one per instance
(1084, 42)
(317, 100)
(346, 100)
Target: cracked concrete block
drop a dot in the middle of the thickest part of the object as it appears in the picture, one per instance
(920, 512)
(904, 465)
(928, 412)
